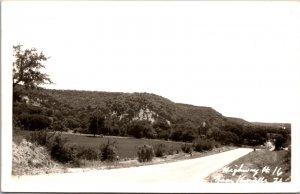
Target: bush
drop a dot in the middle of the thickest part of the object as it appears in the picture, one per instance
(34, 121)
(108, 152)
(145, 153)
(172, 150)
(62, 152)
(56, 145)
(65, 153)
(187, 148)
(87, 153)
(160, 150)
(40, 137)
(201, 145)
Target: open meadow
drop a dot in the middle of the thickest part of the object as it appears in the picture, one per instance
(126, 146)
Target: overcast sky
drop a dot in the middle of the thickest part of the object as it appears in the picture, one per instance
(240, 58)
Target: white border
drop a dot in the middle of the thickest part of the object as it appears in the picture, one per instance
(12, 185)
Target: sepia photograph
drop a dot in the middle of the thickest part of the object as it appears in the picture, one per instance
(150, 96)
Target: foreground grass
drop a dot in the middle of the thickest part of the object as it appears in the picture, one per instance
(259, 166)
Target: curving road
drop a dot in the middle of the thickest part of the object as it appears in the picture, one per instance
(184, 172)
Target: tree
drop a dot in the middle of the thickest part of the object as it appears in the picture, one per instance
(27, 68)
(96, 124)
(279, 141)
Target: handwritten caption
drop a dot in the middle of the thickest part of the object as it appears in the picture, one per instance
(243, 174)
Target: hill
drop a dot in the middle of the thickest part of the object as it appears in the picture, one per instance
(125, 114)
(278, 125)
(238, 120)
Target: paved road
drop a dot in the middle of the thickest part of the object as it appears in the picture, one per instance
(191, 171)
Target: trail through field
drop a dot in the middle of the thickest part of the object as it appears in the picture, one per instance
(191, 171)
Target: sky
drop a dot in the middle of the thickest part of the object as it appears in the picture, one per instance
(240, 58)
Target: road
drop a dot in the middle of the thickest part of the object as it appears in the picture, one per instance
(184, 172)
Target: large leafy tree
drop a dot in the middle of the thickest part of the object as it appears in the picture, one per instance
(27, 68)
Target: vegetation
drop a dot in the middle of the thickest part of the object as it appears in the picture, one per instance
(60, 148)
(125, 147)
(27, 68)
(278, 163)
(201, 145)
(187, 148)
(122, 114)
(108, 152)
(160, 150)
(56, 145)
(145, 153)
(34, 121)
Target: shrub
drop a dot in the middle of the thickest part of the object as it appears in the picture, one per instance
(201, 145)
(56, 145)
(187, 148)
(160, 150)
(145, 153)
(34, 121)
(65, 153)
(172, 150)
(40, 137)
(87, 153)
(108, 152)
(62, 152)
(217, 144)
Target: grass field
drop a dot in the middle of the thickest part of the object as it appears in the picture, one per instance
(258, 166)
(126, 147)
(126, 150)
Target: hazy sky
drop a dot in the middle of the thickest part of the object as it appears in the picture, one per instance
(241, 58)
